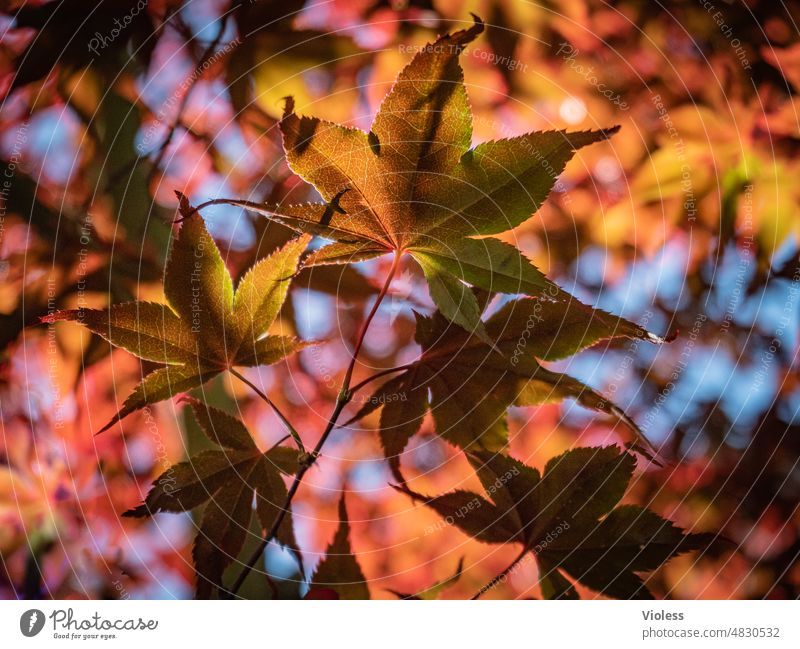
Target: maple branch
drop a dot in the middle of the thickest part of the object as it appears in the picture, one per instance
(295, 435)
(343, 398)
(206, 56)
(502, 575)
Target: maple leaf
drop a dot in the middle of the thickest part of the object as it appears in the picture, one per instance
(338, 575)
(413, 184)
(468, 385)
(206, 328)
(569, 519)
(226, 479)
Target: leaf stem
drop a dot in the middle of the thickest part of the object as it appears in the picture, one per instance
(278, 443)
(295, 435)
(345, 394)
(502, 575)
(363, 333)
(377, 375)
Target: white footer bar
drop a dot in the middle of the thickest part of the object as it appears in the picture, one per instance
(401, 624)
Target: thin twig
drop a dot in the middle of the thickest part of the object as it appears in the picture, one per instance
(345, 394)
(117, 175)
(206, 55)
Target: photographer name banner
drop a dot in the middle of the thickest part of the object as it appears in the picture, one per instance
(401, 624)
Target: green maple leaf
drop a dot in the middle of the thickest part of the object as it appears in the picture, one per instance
(226, 480)
(569, 519)
(338, 575)
(468, 385)
(413, 184)
(206, 328)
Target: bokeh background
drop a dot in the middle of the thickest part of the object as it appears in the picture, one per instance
(687, 221)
